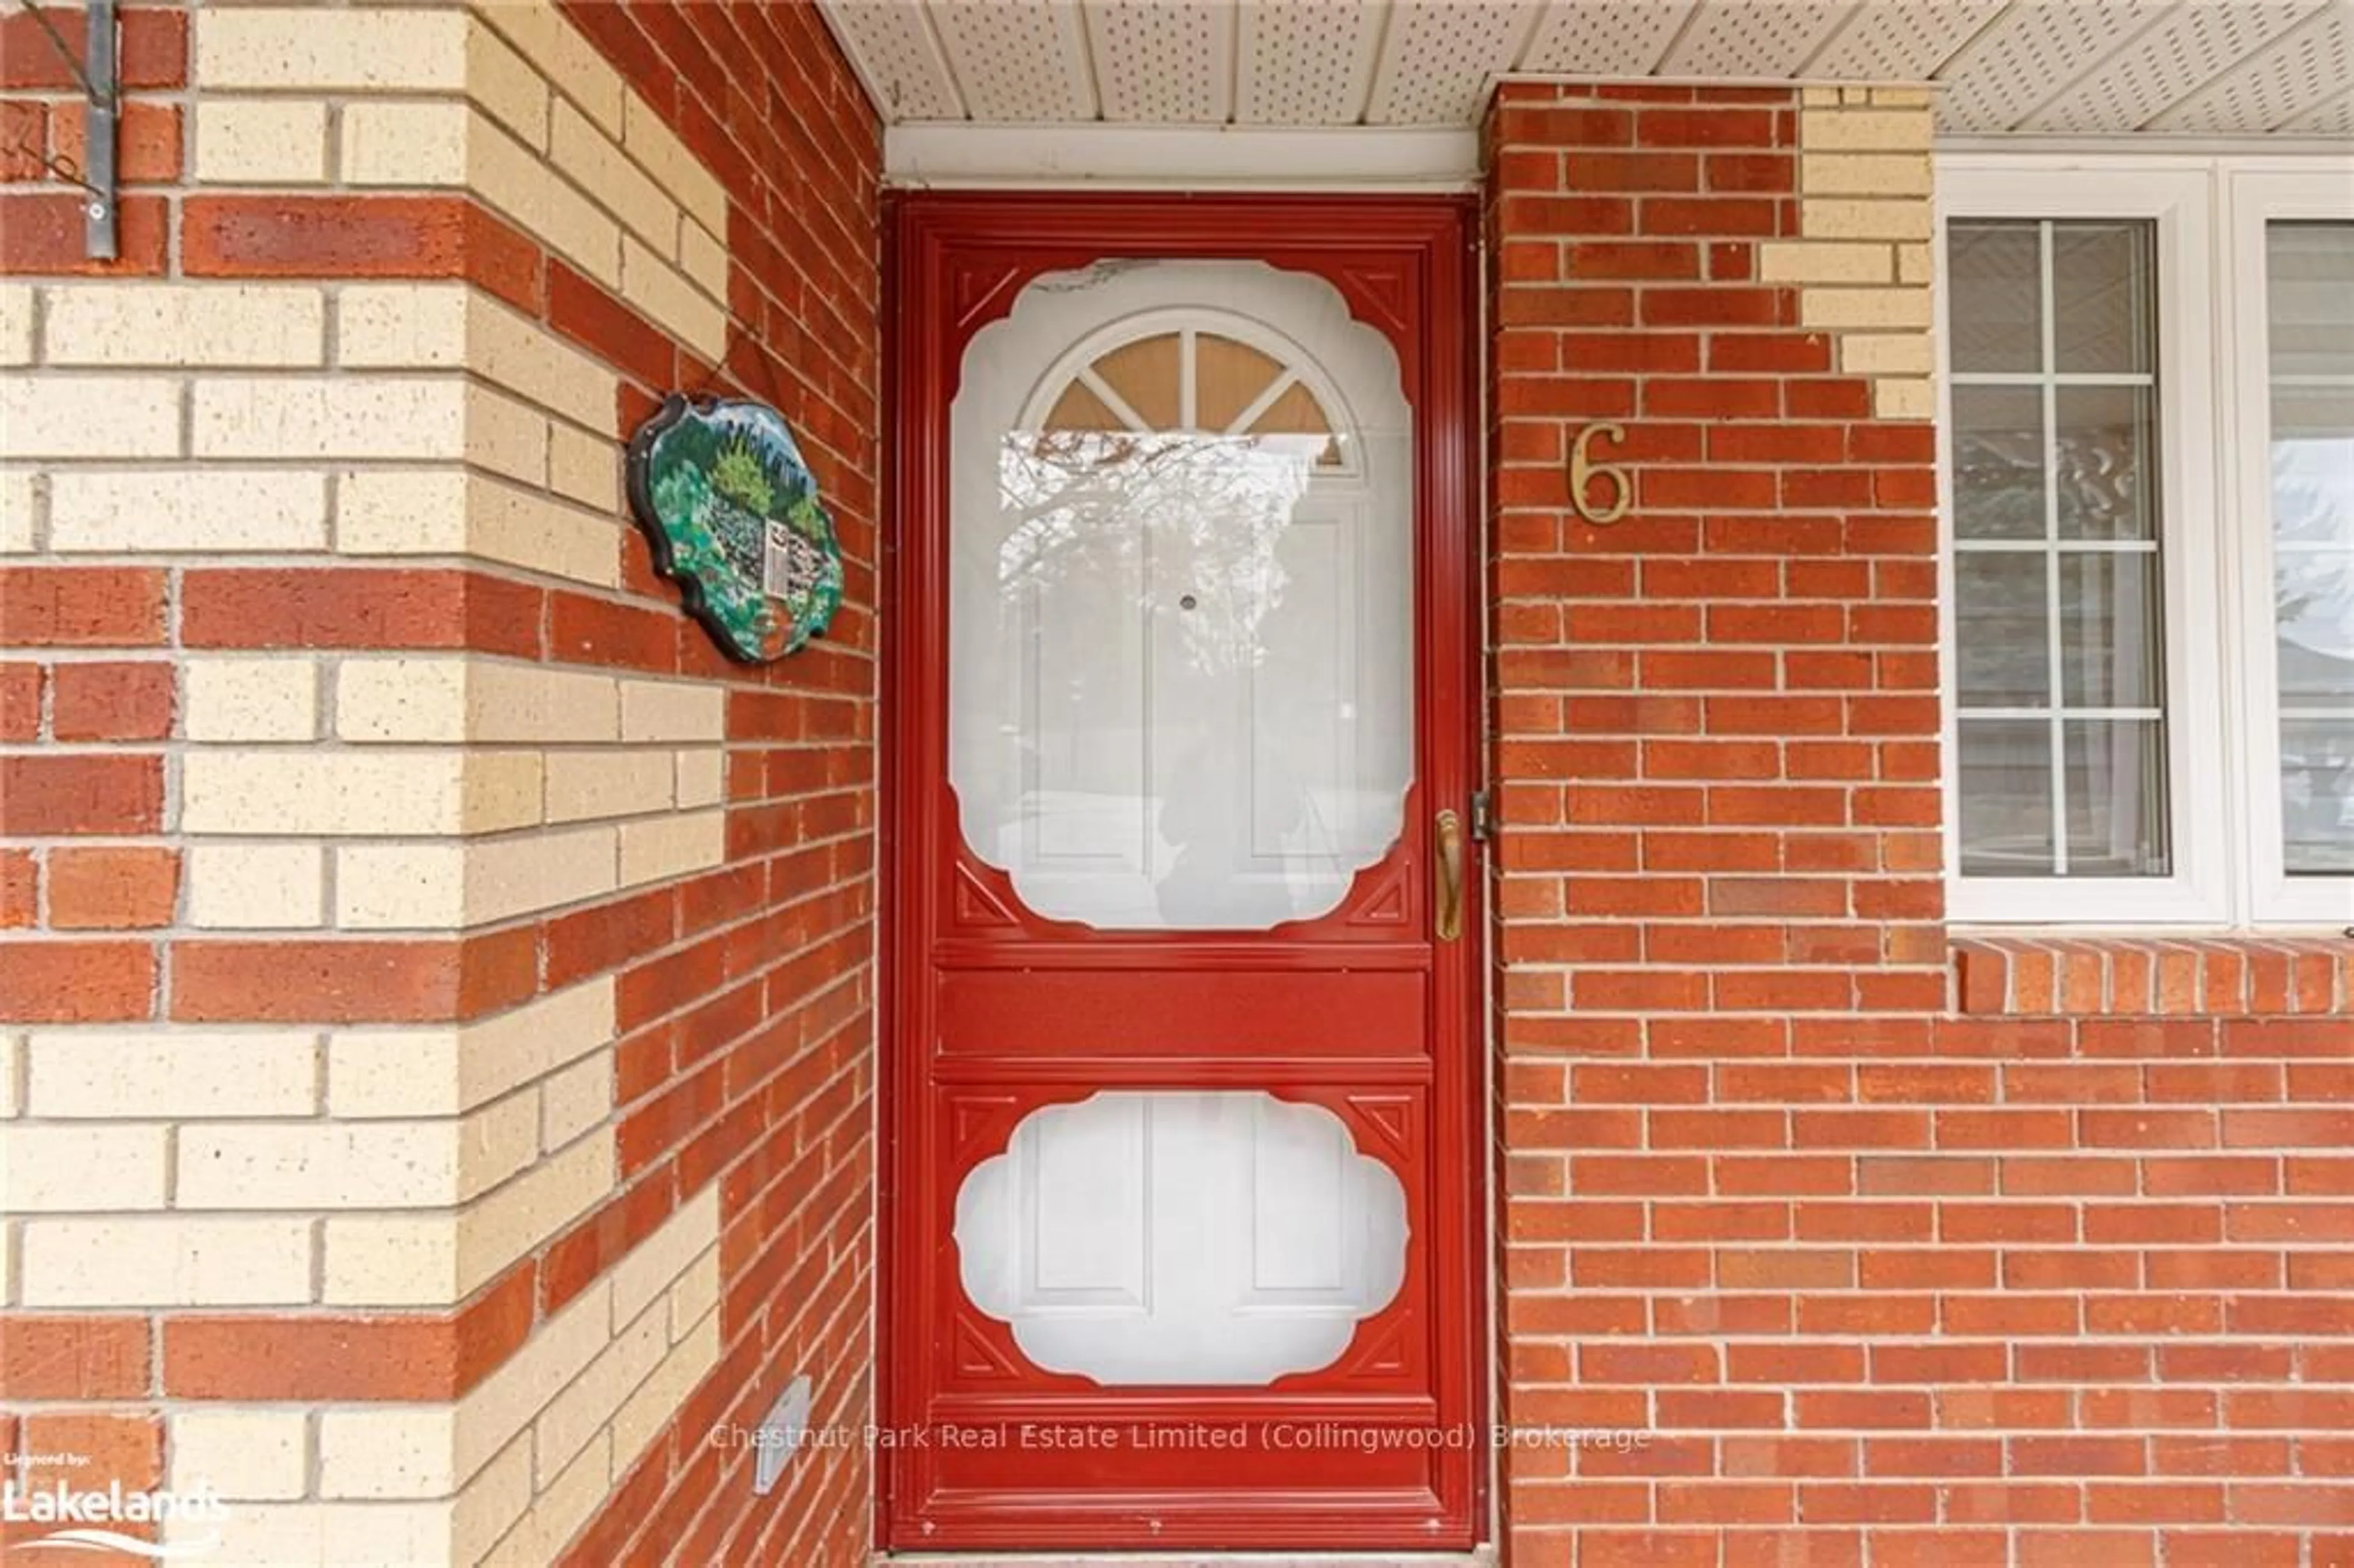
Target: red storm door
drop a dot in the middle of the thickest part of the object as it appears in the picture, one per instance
(1183, 1164)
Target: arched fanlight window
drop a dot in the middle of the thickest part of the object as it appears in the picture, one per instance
(1199, 380)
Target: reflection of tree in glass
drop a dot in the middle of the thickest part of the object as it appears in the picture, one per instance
(2313, 604)
(1207, 513)
(2099, 483)
(1994, 481)
(2096, 480)
(2313, 588)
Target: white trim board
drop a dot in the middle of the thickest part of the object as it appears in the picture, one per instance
(1357, 158)
(1421, 158)
(2148, 147)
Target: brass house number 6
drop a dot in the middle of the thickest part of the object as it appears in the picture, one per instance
(1584, 471)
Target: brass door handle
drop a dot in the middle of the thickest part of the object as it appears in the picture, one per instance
(1447, 873)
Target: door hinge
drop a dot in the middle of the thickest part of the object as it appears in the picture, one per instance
(1482, 823)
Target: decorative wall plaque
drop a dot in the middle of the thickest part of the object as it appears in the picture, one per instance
(733, 514)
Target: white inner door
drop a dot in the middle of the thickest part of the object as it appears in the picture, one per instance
(1181, 683)
(1181, 1238)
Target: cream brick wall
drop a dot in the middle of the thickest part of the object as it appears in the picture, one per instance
(506, 102)
(50, 417)
(583, 468)
(596, 163)
(12, 1068)
(260, 142)
(1864, 258)
(164, 1260)
(411, 1072)
(455, 326)
(382, 793)
(19, 507)
(370, 50)
(449, 511)
(245, 1454)
(169, 326)
(340, 1170)
(331, 794)
(187, 1074)
(611, 783)
(225, 698)
(412, 1165)
(48, 1169)
(489, 770)
(254, 887)
(16, 304)
(505, 1474)
(137, 510)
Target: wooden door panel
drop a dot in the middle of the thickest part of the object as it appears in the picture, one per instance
(1128, 1013)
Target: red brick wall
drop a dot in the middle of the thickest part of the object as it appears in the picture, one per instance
(105, 901)
(42, 142)
(2044, 1282)
(124, 702)
(751, 993)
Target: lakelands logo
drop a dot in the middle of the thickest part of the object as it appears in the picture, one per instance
(84, 1516)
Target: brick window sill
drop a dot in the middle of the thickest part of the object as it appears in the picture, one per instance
(2141, 976)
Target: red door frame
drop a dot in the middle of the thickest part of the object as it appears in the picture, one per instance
(956, 261)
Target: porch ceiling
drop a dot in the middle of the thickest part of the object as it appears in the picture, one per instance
(2042, 67)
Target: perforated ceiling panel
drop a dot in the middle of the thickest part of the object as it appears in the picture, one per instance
(2306, 70)
(1883, 42)
(2195, 44)
(2030, 55)
(1440, 57)
(1163, 62)
(2049, 68)
(1306, 62)
(2333, 117)
(1604, 37)
(1019, 62)
(893, 45)
(1753, 37)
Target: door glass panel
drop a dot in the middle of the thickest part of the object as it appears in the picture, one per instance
(1181, 675)
(1182, 1238)
(2309, 291)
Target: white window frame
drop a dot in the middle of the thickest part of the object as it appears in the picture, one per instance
(2179, 202)
(2254, 197)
